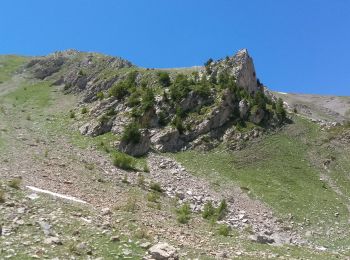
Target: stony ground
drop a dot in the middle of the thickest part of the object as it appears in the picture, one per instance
(122, 216)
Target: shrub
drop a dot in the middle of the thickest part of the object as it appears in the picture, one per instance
(100, 95)
(203, 88)
(208, 62)
(15, 183)
(148, 99)
(280, 111)
(131, 133)
(162, 120)
(177, 123)
(146, 168)
(111, 112)
(134, 99)
(119, 90)
(222, 209)
(164, 79)
(124, 161)
(224, 230)
(104, 119)
(180, 88)
(71, 114)
(183, 213)
(209, 210)
(2, 196)
(84, 110)
(153, 197)
(156, 187)
(131, 204)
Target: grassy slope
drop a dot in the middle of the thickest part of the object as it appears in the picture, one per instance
(279, 171)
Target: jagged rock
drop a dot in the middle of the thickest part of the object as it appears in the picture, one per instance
(167, 140)
(240, 66)
(262, 239)
(243, 108)
(194, 101)
(163, 251)
(95, 128)
(257, 116)
(136, 149)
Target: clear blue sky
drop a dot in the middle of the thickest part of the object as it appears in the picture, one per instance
(297, 45)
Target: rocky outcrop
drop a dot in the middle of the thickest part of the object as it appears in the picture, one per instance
(257, 116)
(240, 66)
(167, 140)
(243, 108)
(136, 149)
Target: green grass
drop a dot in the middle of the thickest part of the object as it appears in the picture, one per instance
(278, 171)
(9, 64)
(37, 95)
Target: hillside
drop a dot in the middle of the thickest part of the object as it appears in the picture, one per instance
(230, 175)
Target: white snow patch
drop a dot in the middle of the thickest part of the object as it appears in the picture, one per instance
(67, 197)
(283, 93)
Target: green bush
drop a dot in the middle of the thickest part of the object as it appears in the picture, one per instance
(132, 133)
(280, 111)
(180, 88)
(71, 114)
(224, 230)
(119, 90)
(148, 99)
(156, 187)
(124, 161)
(183, 213)
(100, 95)
(209, 211)
(164, 79)
(134, 99)
(178, 124)
(222, 209)
(153, 197)
(84, 110)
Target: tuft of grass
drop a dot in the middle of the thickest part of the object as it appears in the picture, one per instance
(28, 117)
(156, 187)
(89, 166)
(153, 197)
(184, 213)
(124, 161)
(209, 210)
(15, 183)
(2, 196)
(224, 230)
(71, 114)
(84, 110)
(131, 204)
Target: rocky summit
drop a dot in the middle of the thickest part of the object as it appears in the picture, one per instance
(102, 159)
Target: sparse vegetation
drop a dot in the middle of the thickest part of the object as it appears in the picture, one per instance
(132, 133)
(124, 161)
(2, 196)
(84, 110)
(15, 183)
(224, 230)
(156, 187)
(183, 213)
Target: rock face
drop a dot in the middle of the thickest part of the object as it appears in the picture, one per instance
(162, 251)
(136, 149)
(167, 140)
(240, 66)
(243, 108)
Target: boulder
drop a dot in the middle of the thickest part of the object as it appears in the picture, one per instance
(163, 251)
(136, 149)
(95, 128)
(257, 116)
(167, 140)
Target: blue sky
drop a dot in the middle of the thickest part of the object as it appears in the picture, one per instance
(297, 46)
